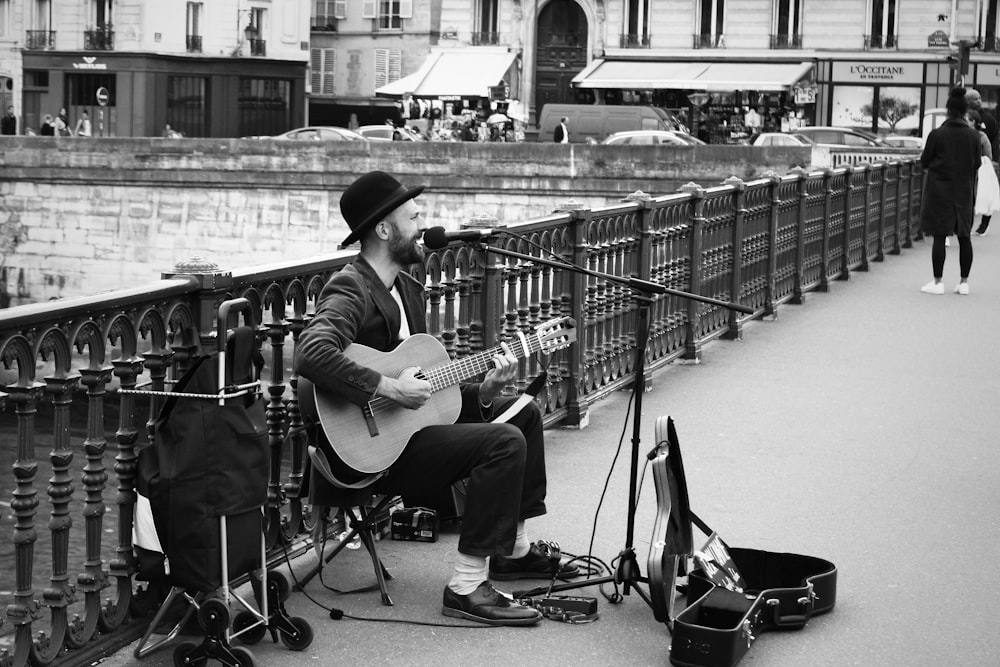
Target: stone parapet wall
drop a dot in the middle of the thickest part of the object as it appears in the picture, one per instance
(83, 216)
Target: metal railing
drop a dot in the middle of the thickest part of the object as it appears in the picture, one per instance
(193, 43)
(881, 42)
(102, 39)
(709, 41)
(634, 41)
(258, 47)
(39, 39)
(484, 38)
(761, 243)
(786, 41)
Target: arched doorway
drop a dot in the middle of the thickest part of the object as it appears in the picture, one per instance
(560, 54)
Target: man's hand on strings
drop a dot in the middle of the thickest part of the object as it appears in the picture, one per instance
(502, 373)
(408, 390)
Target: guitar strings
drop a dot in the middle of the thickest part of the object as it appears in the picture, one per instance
(443, 377)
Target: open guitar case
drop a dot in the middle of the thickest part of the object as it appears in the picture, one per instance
(733, 594)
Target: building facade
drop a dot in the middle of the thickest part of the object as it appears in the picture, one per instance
(208, 69)
(875, 64)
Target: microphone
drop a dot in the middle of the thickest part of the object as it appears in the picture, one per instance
(438, 237)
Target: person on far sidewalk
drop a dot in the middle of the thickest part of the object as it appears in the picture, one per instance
(951, 158)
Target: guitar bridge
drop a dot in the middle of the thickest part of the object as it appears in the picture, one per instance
(369, 414)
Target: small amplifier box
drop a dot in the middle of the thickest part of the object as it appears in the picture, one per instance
(417, 524)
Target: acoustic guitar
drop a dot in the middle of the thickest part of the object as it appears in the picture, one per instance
(368, 439)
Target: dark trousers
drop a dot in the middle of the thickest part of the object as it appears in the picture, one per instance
(505, 465)
(964, 256)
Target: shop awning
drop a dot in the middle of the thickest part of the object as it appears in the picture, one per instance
(710, 77)
(453, 74)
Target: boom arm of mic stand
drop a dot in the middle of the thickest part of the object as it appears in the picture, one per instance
(644, 286)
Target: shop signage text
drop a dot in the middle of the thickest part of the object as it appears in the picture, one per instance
(877, 72)
(90, 62)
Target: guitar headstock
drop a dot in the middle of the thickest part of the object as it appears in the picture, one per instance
(555, 334)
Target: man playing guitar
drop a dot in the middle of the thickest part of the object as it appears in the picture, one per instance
(374, 302)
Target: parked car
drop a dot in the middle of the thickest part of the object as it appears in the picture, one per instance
(913, 143)
(385, 132)
(651, 137)
(842, 136)
(781, 139)
(321, 133)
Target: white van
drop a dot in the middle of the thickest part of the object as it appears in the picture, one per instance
(933, 118)
(593, 122)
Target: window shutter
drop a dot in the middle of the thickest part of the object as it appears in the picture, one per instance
(405, 9)
(381, 67)
(329, 67)
(369, 9)
(321, 75)
(315, 70)
(340, 9)
(395, 64)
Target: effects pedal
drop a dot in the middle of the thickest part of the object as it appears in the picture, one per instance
(567, 603)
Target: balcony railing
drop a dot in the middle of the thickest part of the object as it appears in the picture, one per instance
(193, 43)
(762, 243)
(258, 47)
(709, 41)
(484, 38)
(324, 24)
(634, 41)
(35, 40)
(102, 39)
(784, 41)
(877, 42)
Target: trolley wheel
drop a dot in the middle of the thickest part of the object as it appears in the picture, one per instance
(213, 615)
(281, 585)
(303, 636)
(244, 656)
(247, 619)
(182, 652)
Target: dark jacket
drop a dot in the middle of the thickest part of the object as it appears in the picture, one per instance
(558, 134)
(951, 157)
(8, 125)
(355, 306)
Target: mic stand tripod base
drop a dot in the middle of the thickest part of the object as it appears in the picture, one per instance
(626, 573)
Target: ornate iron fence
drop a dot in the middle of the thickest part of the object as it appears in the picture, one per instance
(760, 243)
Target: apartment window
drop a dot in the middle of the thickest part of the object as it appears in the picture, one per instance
(327, 13)
(988, 26)
(711, 25)
(194, 27)
(41, 19)
(187, 105)
(387, 14)
(487, 14)
(786, 30)
(4, 19)
(637, 23)
(321, 66)
(102, 13)
(387, 66)
(883, 25)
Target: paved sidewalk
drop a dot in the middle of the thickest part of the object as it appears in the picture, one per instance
(860, 427)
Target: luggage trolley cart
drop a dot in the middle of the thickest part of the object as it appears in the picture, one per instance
(209, 463)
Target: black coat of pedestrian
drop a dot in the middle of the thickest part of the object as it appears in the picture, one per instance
(951, 157)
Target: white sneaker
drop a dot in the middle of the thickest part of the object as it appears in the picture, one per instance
(933, 288)
(962, 288)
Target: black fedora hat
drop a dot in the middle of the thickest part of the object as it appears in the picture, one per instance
(371, 198)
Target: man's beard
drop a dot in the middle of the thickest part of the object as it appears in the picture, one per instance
(404, 251)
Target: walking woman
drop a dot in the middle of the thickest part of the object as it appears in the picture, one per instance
(951, 157)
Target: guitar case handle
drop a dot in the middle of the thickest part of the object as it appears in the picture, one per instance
(791, 621)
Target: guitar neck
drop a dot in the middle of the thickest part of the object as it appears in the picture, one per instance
(462, 369)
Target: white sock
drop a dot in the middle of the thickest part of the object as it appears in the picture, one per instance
(470, 571)
(521, 544)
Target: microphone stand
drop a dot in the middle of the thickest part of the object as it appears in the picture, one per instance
(627, 571)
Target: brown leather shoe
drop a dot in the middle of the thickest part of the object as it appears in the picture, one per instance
(488, 605)
(535, 565)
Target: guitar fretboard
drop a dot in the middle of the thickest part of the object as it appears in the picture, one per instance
(458, 370)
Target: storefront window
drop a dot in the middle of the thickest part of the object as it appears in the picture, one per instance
(264, 106)
(81, 95)
(849, 106)
(881, 109)
(187, 105)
